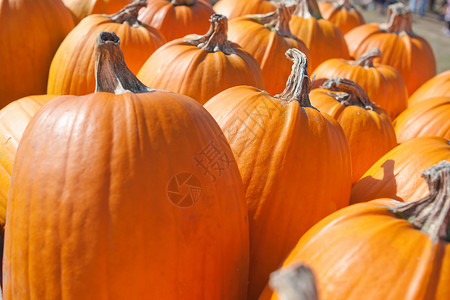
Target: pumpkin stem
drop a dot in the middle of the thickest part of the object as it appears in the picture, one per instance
(182, 2)
(431, 214)
(298, 85)
(294, 283)
(399, 20)
(129, 14)
(277, 20)
(111, 73)
(306, 9)
(348, 92)
(366, 60)
(216, 39)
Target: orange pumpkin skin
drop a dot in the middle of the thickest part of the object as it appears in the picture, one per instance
(426, 118)
(100, 184)
(322, 38)
(186, 68)
(83, 8)
(397, 174)
(437, 86)
(362, 126)
(14, 118)
(178, 18)
(237, 8)
(72, 69)
(278, 146)
(351, 250)
(409, 54)
(383, 84)
(268, 45)
(30, 32)
(344, 15)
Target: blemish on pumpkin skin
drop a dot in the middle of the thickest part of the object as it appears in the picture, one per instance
(7, 140)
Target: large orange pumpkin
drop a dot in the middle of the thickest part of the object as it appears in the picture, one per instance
(381, 250)
(426, 118)
(133, 195)
(14, 118)
(30, 33)
(383, 84)
(281, 144)
(410, 54)
(201, 66)
(83, 8)
(72, 69)
(322, 38)
(397, 174)
(364, 123)
(177, 18)
(237, 8)
(437, 86)
(267, 38)
(342, 14)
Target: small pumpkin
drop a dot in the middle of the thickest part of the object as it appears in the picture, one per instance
(342, 14)
(267, 37)
(364, 123)
(322, 38)
(410, 54)
(238, 8)
(82, 8)
(100, 185)
(426, 118)
(279, 143)
(201, 66)
(177, 18)
(437, 86)
(396, 175)
(72, 68)
(382, 250)
(383, 84)
(30, 33)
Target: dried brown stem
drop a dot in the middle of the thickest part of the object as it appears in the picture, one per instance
(399, 20)
(348, 92)
(298, 85)
(182, 2)
(129, 13)
(431, 214)
(307, 9)
(277, 20)
(216, 39)
(366, 60)
(294, 283)
(111, 73)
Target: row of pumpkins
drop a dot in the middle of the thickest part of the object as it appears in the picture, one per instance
(247, 164)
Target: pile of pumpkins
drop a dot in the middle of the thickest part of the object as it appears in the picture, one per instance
(178, 150)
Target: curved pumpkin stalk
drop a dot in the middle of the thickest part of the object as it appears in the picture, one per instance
(129, 13)
(294, 283)
(277, 20)
(399, 20)
(348, 92)
(307, 9)
(366, 60)
(431, 214)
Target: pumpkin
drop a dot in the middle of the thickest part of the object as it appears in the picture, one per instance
(364, 123)
(437, 86)
(279, 143)
(30, 32)
(425, 118)
(237, 8)
(383, 84)
(322, 38)
(116, 191)
(177, 18)
(83, 8)
(342, 14)
(201, 66)
(396, 174)
(410, 54)
(382, 250)
(267, 38)
(13, 119)
(72, 69)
